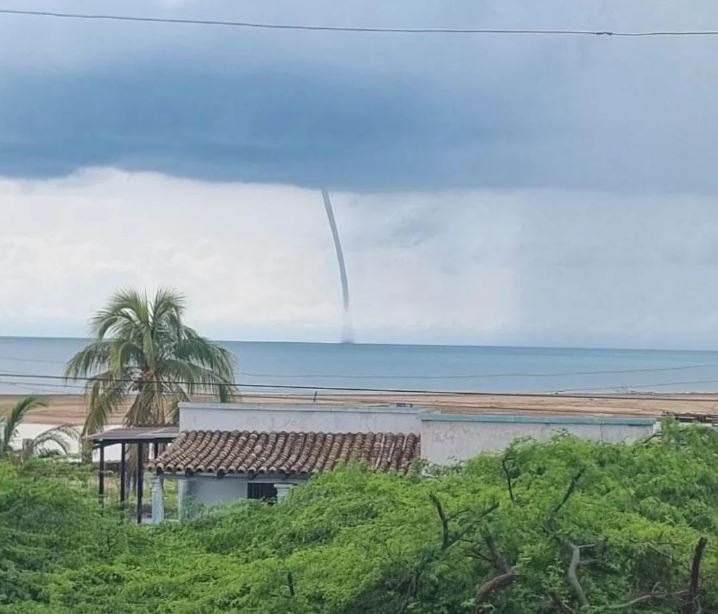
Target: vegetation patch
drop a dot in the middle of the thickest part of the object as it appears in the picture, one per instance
(564, 526)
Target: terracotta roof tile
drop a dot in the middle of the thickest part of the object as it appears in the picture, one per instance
(251, 453)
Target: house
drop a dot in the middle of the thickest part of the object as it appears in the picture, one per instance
(226, 452)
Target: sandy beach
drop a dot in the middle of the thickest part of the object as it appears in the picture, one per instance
(70, 409)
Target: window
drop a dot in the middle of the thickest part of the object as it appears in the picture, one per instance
(258, 490)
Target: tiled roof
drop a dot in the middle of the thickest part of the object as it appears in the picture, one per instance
(250, 453)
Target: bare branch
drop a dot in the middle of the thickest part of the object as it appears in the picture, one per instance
(507, 474)
(480, 555)
(445, 537)
(692, 603)
(497, 559)
(644, 598)
(447, 540)
(559, 604)
(671, 558)
(567, 495)
(586, 562)
(290, 584)
(572, 577)
(506, 574)
(457, 514)
(651, 437)
(497, 583)
(470, 525)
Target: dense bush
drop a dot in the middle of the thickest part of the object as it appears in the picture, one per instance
(499, 534)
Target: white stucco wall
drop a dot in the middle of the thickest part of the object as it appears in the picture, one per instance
(306, 418)
(446, 439)
(209, 490)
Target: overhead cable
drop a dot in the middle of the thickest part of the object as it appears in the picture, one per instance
(360, 29)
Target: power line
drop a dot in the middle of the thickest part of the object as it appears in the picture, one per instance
(29, 388)
(34, 387)
(479, 375)
(361, 29)
(655, 385)
(383, 376)
(14, 359)
(385, 390)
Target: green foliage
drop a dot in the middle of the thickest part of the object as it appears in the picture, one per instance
(10, 422)
(352, 542)
(144, 356)
(61, 436)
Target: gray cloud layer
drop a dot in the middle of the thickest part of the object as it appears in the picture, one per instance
(364, 112)
(517, 267)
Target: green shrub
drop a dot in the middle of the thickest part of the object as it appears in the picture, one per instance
(356, 542)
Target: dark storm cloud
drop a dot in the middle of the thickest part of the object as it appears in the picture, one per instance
(364, 112)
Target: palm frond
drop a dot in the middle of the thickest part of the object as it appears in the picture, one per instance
(90, 359)
(3, 429)
(124, 354)
(167, 310)
(142, 349)
(104, 395)
(227, 393)
(201, 351)
(127, 311)
(147, 406)
(15, 417)
(62, 436)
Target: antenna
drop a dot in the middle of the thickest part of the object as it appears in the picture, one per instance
(347, 329)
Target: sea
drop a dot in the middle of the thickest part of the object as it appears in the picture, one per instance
(36, 365)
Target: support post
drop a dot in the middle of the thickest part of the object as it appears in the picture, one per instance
(123, 473)
(158, 500)
(183, 498)
(28, 448)
(283, 489)
(140, 477)
(101, 475)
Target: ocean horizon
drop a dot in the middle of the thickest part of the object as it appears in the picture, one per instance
(35, 364)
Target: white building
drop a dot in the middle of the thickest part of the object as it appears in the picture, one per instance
(230, 451)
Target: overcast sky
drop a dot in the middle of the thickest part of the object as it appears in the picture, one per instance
(498, 190)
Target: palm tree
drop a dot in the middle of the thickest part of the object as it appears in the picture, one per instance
(143, 357)
(61, 436)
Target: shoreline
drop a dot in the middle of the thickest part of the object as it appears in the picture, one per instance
(70, 409)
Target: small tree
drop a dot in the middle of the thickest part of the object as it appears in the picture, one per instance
(143, 357)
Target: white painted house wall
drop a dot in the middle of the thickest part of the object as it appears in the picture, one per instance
(304, 418)
(447, 439)
(210, 490)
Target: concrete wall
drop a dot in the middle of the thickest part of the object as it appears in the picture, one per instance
(450, 438)
(209, 490)
(277, 418)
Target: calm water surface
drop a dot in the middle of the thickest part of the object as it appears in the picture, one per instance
(421, 367)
